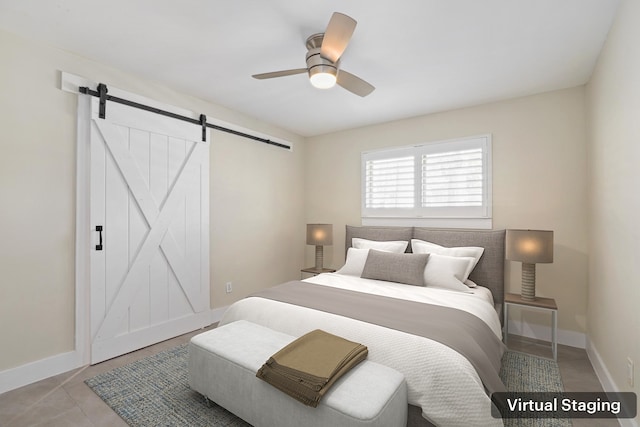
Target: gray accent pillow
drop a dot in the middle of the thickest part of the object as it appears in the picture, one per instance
(393, 267)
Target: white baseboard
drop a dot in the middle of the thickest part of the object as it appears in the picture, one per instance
(540, 332)
(608, 384)
(13, 378)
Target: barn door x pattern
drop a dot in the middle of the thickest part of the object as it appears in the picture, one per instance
(149, 192)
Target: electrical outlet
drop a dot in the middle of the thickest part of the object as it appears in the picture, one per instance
(229, 287)
(630, 372)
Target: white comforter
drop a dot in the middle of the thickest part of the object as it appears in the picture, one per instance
(440, 380)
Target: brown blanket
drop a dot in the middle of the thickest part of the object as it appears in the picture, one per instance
(459, 330)
(306, 368)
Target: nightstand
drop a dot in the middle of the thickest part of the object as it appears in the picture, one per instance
(315, 271)
(545, 304)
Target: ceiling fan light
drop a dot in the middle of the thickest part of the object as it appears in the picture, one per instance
(322, 77)
(323, 80)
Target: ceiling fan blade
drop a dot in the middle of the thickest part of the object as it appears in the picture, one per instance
(279, 73)
(337, 36)
(354, 84)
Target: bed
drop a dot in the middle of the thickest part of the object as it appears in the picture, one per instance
(445, 387)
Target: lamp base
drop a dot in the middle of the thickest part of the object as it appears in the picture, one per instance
(319, 256)
(528, 282)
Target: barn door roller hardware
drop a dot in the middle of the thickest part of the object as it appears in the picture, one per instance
(102, 93)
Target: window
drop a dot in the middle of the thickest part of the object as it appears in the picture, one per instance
(440, 184)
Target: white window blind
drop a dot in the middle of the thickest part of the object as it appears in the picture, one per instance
(390, 183)
(454, 178)
(444, 183)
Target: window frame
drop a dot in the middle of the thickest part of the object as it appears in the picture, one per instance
(441, 217)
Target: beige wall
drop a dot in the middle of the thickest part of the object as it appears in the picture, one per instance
(257, 222)
(613, 100)
(539, 182)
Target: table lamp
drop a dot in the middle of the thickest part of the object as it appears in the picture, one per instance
(319, 235)
(529, 247)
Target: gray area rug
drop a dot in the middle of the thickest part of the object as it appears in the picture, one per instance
(524, 373)
(154, 391)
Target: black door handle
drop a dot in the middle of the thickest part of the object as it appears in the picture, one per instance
(99, 230)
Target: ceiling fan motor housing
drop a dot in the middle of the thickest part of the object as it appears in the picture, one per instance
(316, 63)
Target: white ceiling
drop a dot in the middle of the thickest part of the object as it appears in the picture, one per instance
(423, 56)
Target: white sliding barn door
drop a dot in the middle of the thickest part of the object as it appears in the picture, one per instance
(149, 192)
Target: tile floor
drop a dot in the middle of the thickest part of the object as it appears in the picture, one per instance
(64, 400)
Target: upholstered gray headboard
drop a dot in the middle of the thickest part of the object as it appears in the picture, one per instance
(489, 272)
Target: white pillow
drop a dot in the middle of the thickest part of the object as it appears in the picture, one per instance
(387, 246)
(422, 247)
(445, 271)
(470, 283)
(354, 264)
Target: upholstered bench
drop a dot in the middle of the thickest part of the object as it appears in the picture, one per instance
(223, 363)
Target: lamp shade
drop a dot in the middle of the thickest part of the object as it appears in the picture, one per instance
(319, 234)
(529, 246)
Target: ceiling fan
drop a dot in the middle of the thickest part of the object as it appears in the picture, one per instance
(323, 58)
